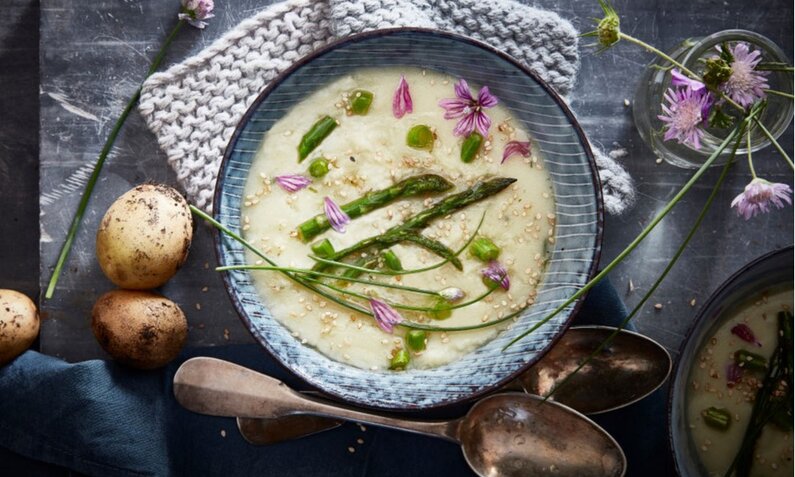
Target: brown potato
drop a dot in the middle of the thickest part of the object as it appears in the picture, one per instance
(144, 237)
(19, 324)
(139, 328)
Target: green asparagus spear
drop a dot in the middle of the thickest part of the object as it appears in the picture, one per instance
(412, 226)
(415, 185)
(312, 139)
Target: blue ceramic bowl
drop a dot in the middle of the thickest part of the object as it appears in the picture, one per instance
(577, 197)
(768, 271)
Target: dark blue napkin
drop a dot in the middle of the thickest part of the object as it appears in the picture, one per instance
(99, 418)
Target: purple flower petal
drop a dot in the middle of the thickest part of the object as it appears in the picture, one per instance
(486, 99)
(336, 217)
(401, 101)
(454, 107)
(482, 123)
(465, 126)
(745, 333)
(679, 79)
(734, 374)
(292, 182)
(385, 315)
(516, 147)
(497, 274)
(758, 195)
(462, 91)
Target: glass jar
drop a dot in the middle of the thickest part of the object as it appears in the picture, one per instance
(656, 79)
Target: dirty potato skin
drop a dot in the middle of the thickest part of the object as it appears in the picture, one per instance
(144, 237)
(19, 324)
(140, 329)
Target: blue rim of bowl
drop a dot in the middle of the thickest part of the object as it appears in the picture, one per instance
(700, 316)
(217, 236)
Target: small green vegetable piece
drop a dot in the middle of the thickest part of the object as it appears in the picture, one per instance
(748, 360)
(400, 360)
(717, 418)
(484, 249)
(323, 248)
(392, 261)
(416, 340)
(420, 137)
(316, 134)
(360, 102)
(441, 310)
(318, 167)
(470, 147)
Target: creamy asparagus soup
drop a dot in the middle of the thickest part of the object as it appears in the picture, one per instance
(394, 171)
(737, 371)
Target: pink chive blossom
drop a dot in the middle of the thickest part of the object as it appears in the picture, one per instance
(745, 333)
(194, 11)
(452, 294)
(497, 274)
(515, 147)
(401, 102)
(469, 109)
(685, 114)
(385, 315)
(734, 373)
(679, 79)
(758, 195)
(292, 182)
(336, 217)
(745, 85)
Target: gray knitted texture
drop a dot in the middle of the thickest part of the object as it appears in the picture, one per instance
(194, 106)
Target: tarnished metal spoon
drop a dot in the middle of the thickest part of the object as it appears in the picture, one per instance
(506, 434)
(631, 368)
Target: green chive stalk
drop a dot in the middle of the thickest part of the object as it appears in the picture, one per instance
(92, 180)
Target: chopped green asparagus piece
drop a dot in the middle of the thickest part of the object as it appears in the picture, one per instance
(318, 167)
(415, 223)
(415, 339)
(717, 418)
(471, 146)
(748, 360)
(360, 101)
(400, 360)
(420, 137)
(316, 134)
(415, 185)
(484, 249)
(392, 261)
(323, 248)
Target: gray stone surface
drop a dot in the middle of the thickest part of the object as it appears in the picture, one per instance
(94, 53)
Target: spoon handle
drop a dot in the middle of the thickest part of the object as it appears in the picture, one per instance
(220, 388)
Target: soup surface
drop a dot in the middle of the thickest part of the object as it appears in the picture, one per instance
(370, 152)
(711, 386)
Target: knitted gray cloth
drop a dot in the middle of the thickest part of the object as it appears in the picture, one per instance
(194, 106)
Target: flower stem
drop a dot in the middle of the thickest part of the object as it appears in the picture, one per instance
(775, 143)
(779, 93)
(92, 180)
(732, 135)
(750, 155)
(604, 344)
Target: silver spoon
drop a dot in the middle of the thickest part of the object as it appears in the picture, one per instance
(507, 434)
(631, 368)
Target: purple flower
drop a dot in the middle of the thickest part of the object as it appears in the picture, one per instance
(678, 79)
(292, 182)
(684, 115)
(498, 274)
(336, 217)
(745, 333)
(758, 195)
(469, 109)
(745, 85)
(194, 11)
(516, 147)
(401, 102)
(385, 315)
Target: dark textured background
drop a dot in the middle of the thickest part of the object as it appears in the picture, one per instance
(93, 54)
